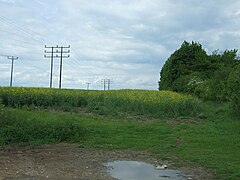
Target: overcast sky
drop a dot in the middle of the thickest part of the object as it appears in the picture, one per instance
(127, 41)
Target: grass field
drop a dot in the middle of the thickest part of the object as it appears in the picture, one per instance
(209, 136)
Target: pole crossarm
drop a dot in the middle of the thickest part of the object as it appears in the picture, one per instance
(51, 46)
(12, 58)
(46, 56)
(57, 51)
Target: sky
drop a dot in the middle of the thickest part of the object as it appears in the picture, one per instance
(127, 41)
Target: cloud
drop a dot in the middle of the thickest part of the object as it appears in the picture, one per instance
(127, 41)
(7, 1)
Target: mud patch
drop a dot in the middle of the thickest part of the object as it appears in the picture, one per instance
(69, 161)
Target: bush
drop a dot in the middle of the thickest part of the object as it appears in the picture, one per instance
(233, 86)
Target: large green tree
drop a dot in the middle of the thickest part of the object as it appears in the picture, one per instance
(188, 59)
(190, 69)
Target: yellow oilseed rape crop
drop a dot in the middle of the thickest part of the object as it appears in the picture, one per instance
(143, 102)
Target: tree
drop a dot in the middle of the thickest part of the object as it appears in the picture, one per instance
(222, 65)
(189, 69)
(188, 59)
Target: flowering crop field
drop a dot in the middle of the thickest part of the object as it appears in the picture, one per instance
(142, 102)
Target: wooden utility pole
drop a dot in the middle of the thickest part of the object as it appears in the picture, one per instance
(13, 59)
(61, 63)
(52, 56)
(56, 52)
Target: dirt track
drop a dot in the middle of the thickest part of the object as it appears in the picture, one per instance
(65, 161)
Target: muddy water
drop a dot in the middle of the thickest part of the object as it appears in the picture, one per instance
(134, 170)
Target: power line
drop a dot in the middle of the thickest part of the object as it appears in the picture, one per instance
(27, 32)
(19, 32)
(18, 40)
(3, 55)
(34, 66)
(16, 34)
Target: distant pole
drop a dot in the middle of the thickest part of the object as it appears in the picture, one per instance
(103, 81)
(106, 84)
(11, 78)
(108, 81)
(88, 85)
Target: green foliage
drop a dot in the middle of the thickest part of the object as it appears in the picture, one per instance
(151, 103)
(27, 128)
(188, 83)
(189, 69)
(184, 61)
(234, 92)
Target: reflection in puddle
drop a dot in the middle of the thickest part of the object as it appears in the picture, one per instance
(134, 170)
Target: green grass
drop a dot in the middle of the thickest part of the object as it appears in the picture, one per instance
(209, 138)
(34, 127)
(213, 142)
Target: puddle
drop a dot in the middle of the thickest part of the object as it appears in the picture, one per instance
(134, 170)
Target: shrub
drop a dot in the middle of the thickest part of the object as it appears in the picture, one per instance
(233, 86)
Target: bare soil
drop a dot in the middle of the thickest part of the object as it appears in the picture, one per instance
(71, 161)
